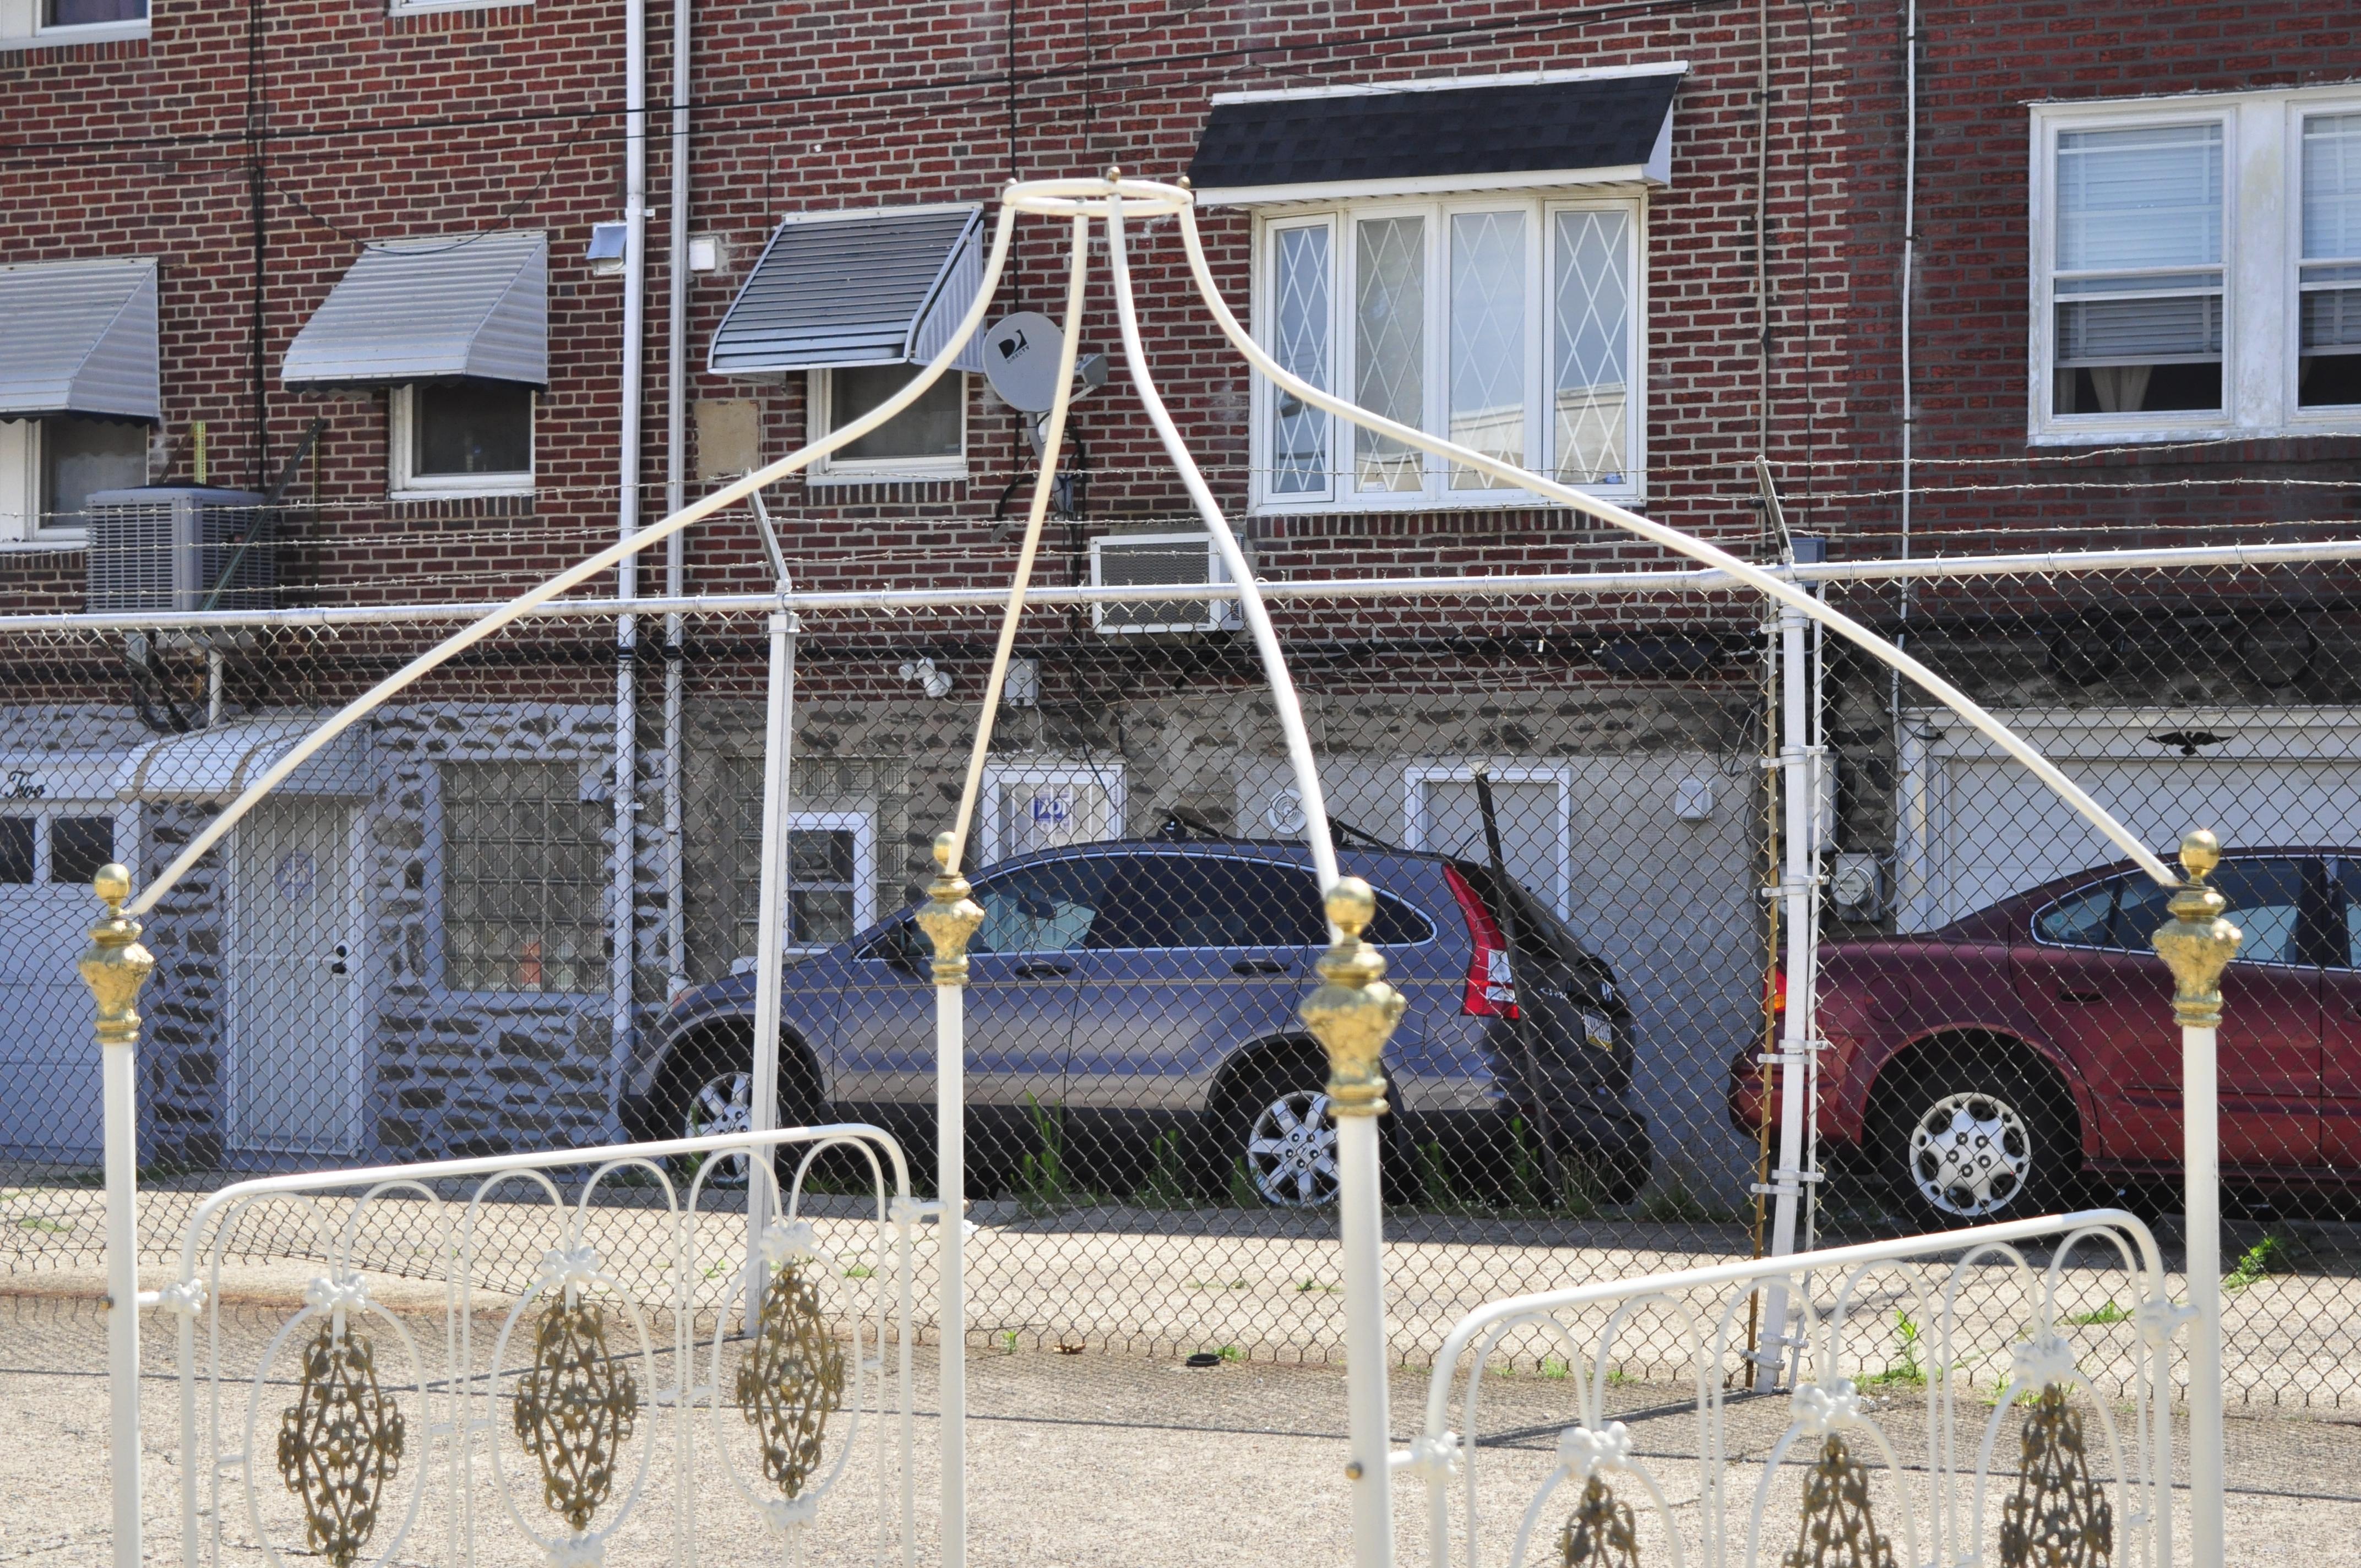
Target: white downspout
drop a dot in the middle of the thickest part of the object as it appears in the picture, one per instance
(622, 936)
(675, 872)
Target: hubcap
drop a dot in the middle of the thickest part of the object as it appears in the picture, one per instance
(723, 1104)
(1970, 1154)
(1291, 1151)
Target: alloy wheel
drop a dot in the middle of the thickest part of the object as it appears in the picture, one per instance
(1970, 1154)
(1291, 1151)
(723, 1104)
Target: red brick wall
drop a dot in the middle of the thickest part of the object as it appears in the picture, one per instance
(1984, 488)
(379, 128)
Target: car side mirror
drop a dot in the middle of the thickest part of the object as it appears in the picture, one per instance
(905, 947)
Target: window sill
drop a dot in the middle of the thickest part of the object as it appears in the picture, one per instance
(68, 37)
(491, 486)
(1448, 501)
(60, 541)
(894, 474)
(2342, 421)
(444, 8)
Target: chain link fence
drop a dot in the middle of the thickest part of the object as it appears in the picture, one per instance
(515, 909)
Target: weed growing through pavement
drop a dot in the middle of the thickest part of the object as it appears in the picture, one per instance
(2269, 1256)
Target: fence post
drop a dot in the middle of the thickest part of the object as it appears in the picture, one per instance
(770, 936)
(1353, 1015)
(115, 967)
(949, 918)
(2197, 944)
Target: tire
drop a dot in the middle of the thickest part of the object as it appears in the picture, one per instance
(1975, 1140)
(1277, 1125)
(712, 1094)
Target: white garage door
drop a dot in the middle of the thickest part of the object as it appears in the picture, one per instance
(1990, 830)
(48, 1066)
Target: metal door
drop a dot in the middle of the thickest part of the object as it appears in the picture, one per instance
(295, 1067)
(48, 1068)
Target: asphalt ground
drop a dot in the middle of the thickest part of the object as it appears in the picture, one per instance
(1076, 1461)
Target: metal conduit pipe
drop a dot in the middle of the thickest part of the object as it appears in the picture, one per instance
(675, 493)
(619, 965)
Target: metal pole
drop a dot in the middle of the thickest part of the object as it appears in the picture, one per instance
(1795, 874)
(2197, 944)
(1353, 1015)
(770, 933)
(115, 967)
(949, 918)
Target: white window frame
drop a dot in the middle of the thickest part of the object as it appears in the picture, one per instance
(834, 470)
(2262, 249)
(998, 776)
(863, 826)
(1418, 776)
(21, 28)
(22, 504)
(404, 485)
(1541, 208)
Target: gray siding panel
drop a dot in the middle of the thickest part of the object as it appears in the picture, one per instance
(79, 337)
(432, 310)
(852, 289)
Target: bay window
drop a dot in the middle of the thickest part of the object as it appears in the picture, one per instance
(1510, 324)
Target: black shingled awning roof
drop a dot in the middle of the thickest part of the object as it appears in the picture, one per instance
(1590, 123)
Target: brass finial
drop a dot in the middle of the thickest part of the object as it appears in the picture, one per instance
(1184, 185)
(2197, 942)
(1114, 172)
(950, 918)
(115, 966)
(1354, 1013)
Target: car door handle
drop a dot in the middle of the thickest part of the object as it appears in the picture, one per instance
(1258, 966)
(2068, 994)
(1040, 970)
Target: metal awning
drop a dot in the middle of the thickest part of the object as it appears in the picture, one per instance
(473, 306)
(219, 763)
(1546, 129)
(79, 337)
(882, 287)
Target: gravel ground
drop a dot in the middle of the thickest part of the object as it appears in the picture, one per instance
(1077, 1460)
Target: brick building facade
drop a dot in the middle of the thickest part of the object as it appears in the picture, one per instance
(253, 155)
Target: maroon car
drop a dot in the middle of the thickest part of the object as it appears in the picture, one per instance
(1977, 1070)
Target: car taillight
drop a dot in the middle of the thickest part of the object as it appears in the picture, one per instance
(1775, 994)
(1491, 989)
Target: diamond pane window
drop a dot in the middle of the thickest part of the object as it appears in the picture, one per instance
(1390, 347)
(1590, 383)
(1299, 296)
(1506, 324)
(1488, 340)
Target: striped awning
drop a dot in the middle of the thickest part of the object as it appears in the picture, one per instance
(79, 337)
(473, 307)
(869, 287)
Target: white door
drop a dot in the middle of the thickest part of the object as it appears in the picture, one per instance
(48, 1066)
(295, 1067)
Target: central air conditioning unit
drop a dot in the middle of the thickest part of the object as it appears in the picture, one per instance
(168, 547)
(1159, 560)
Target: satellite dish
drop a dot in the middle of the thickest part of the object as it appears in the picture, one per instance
(1020, 360)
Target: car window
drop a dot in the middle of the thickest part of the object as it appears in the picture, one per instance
(2348, 890)
(1047, 908)
(2265, 899)
(1218, 901)
(1208, 901)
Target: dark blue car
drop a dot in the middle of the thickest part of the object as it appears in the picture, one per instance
(1148, 987)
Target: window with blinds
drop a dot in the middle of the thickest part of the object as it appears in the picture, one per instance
(524, 879)
(2328, 303)
(2138, 273)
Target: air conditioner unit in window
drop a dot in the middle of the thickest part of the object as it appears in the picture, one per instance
(1159, 560)
(167, 548)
